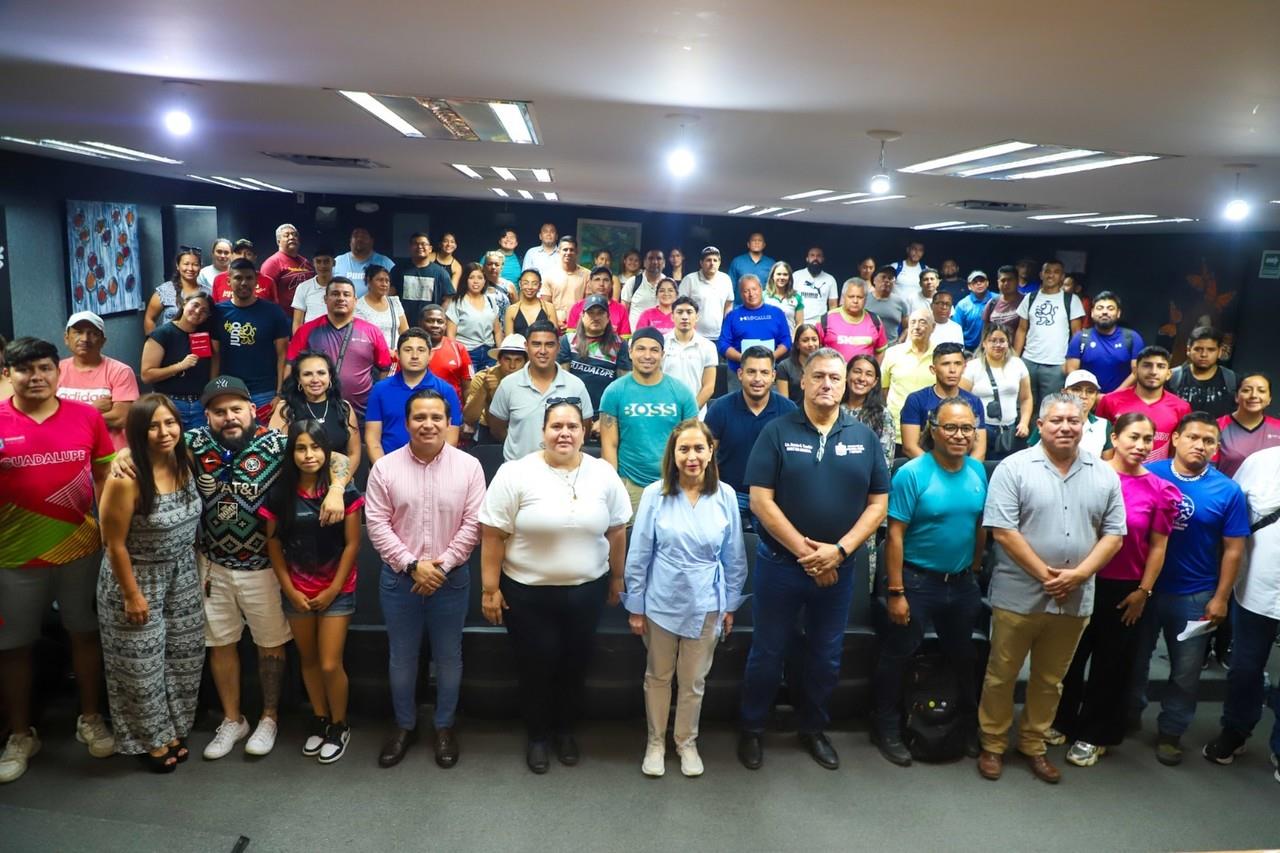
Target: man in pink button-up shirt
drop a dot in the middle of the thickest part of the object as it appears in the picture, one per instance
(422, 507)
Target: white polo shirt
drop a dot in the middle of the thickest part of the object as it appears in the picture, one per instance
(686, 361)
(711, 297)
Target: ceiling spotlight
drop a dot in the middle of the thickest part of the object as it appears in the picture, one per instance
(681, 162)
(880, 183)
(177, 122)
(1237, 209)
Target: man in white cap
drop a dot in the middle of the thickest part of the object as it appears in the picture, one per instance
(511, 355)
(712, 290)
(91, 377)
(969, 310)
(1097, 432)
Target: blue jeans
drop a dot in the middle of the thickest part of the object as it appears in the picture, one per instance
(951, 604)
(260, 399)
(744, 509)
(1254, 635)
(441, 615)
(1168, 614)
(782, 591)
(480, 357)
(191, 413)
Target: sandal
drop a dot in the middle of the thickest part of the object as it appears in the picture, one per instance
(166, 762)
(181, 751)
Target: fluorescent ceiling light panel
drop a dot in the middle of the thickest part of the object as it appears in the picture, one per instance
(968, 156)
(1056, 157)
(500, 191)
(841, 197)
(1142, 222)
(542, 176)
(381, 111)
(129, 152)
(514, 121)
(971, 227)
(205, 180)
(742, 208)
(1083, 167)
(929, 225)
(873, 198)
(806, 194)
(762, 211)
(265, 185)
(790, 212)
(466, 170)
(504, 173)
(1063, 215)
(525, 194)
(1117, 218)
(551, 196)
(231, 182)
(72, 148)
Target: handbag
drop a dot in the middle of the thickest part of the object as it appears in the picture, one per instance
(1003, 440)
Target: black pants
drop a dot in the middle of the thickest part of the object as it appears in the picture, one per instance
(1095, 712)
(553, 634)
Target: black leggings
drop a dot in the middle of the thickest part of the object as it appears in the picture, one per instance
(553, 634)
(1095, 710)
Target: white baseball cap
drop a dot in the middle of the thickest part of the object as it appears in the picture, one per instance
(1075, 377)
(87, 317)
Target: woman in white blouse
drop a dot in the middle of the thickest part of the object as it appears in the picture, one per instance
(1001, 381)
(380, 308)
(552, 551)
(685, 572)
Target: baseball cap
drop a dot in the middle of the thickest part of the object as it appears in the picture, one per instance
(511, 343)
(1075, 377)
(709, 250)
(224, 385)
(976, 274)
(595, 300)
(601, 270)
(87, 317)
(242, 243)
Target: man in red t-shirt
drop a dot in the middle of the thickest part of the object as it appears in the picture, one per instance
(54, 456)
(1148, 396)
(450, 360)
(286, 268)
(266, 287)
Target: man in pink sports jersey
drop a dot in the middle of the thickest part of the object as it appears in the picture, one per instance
(53, 461)
(851, 329)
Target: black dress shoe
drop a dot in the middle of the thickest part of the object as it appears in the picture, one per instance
(537, 757)
(751, 750)
(567, 750)
(821, 749)
(892, 748)
(446, 748)
(396, 746)
(972, 743)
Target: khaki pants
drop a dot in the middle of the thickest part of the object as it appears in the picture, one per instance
(689, 660)
(1051, 640)
(634, 491)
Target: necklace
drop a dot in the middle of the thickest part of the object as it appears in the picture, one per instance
(1188, 479)
(321, 418)
(572, 484)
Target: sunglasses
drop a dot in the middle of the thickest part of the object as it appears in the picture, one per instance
(576, 402)
(191, 250)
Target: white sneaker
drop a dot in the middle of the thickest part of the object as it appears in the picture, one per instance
(335, 742)
(19, 749)
(1275, 762)
(1083, 754)
(1053, 737)
(655, 760)
(229, 733)
(690, 761)
(93, 732)
(264, 737)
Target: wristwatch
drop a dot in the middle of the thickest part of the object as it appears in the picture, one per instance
(844, 555)
(895, 592)
(410, 566)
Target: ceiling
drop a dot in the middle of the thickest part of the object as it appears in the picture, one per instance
(784, 94)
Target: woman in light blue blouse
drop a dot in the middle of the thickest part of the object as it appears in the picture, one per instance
(685, 572)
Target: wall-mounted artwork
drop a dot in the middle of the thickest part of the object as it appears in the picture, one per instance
(597, 234)
(102, 257)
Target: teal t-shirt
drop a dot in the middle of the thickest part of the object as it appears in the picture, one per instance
(941, 510)
(646, 414)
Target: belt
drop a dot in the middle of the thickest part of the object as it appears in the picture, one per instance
(186, 398)
(941, 577)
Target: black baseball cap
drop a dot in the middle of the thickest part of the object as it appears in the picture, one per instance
(222, 386)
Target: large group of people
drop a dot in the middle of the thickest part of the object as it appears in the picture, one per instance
(299, 405)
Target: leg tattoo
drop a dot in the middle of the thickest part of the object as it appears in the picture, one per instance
(271, 673)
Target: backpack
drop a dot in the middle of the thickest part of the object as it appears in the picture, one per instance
(931, 706)
(1066, 307)
(1085, 334)
(1183, 371)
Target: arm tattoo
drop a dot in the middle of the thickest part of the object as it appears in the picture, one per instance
(271, 674)
(606, 420)
(339, 469)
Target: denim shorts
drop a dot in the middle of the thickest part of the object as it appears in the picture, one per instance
(343, 605)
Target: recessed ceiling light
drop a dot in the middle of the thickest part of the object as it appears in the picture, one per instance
(551, 196)
(1237, 210)
(806, 194)
(525, 194)
(764, 210)
(873, 198)
(129, 152)
(681, 162)
(969, 227)
(500, 191)
(1083, 167)
(265, 185)
(1056, 157)
(968, 156)
(177, 122)
(1142, 222)
(504, 173)
(742, 208)
(513, 117)
(466, 170)
(790, 212)
(930, 225)
(1120, 217)
(840, 197)
(515, 174)
(1063, 215)
(381, 111)
(542, 175)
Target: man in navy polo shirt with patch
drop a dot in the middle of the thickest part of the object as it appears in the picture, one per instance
(736, 421)
(948, 369)
(1107, 350)
(819, 489)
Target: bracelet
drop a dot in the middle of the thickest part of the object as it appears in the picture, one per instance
(896, 588)
(1147, 591)
(844, 555)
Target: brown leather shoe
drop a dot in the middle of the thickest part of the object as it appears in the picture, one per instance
(990, 765)
(446, 748)
(1044, 771)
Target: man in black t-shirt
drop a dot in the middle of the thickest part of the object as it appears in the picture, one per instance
(420, 282)
(1201, 381)
(805, 556)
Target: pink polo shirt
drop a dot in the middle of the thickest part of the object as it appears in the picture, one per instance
(417, 510)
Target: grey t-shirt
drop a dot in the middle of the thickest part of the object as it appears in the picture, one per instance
(891, 311)
(521, 405)
(1061, 518)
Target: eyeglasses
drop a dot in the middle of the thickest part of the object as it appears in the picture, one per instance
(952, 429)
(191, 250)
(576, 402)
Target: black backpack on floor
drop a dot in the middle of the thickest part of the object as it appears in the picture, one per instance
(931, 696)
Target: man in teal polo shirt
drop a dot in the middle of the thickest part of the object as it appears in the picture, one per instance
(384, 429)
